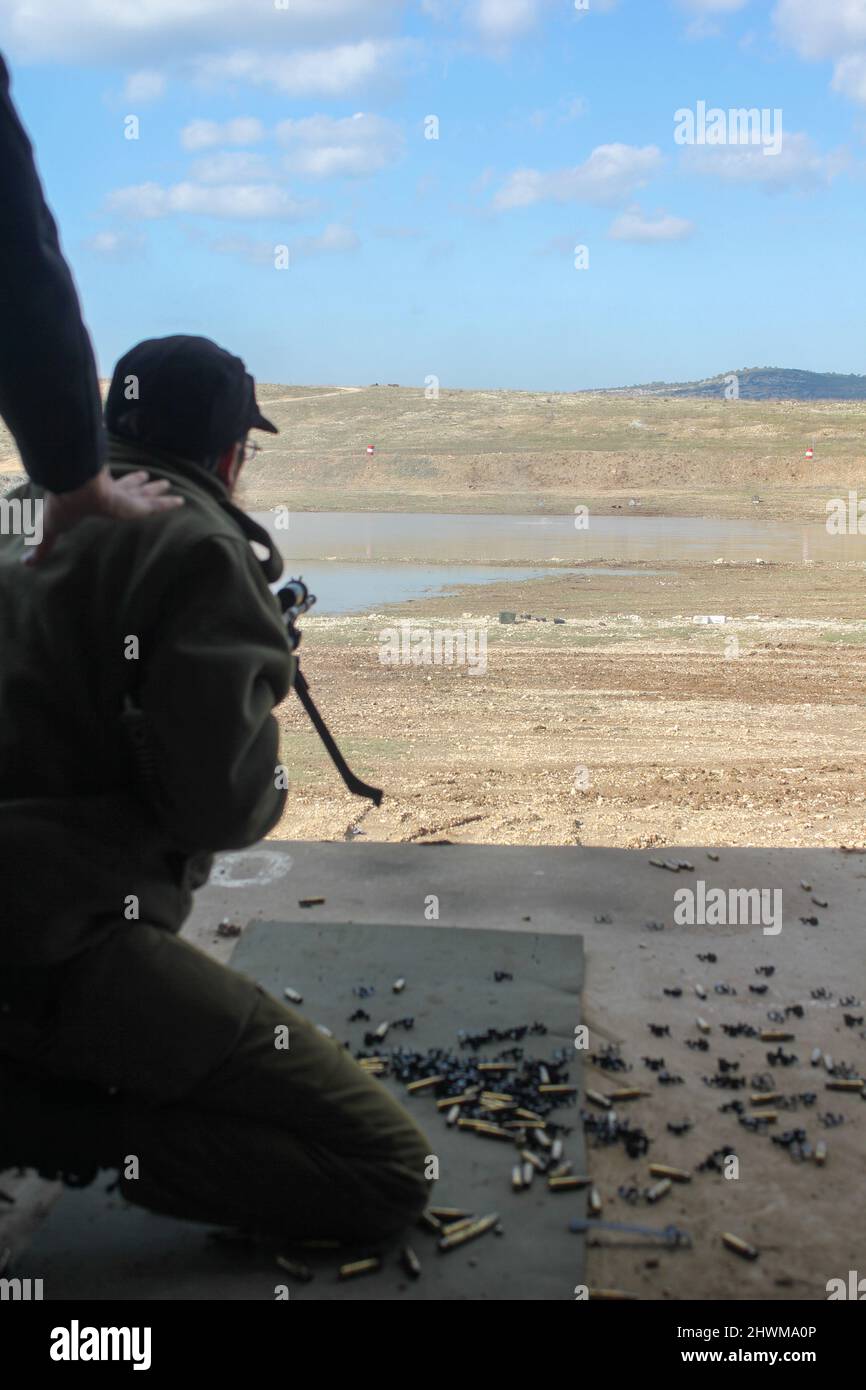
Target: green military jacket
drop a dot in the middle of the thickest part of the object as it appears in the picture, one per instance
(139, 667)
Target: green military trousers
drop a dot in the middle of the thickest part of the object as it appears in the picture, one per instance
(145, 1055)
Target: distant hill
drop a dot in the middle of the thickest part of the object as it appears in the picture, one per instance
(759, 384)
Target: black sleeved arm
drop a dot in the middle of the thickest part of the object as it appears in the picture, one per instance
(49, 392)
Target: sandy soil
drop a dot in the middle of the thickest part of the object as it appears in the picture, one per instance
(520, 451)
(628, 724)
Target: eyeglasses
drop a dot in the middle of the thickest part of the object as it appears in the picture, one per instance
(250, 450)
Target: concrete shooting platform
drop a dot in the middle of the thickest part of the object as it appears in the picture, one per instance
(799, 1215)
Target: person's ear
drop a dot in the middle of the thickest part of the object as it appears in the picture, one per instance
(229, 465)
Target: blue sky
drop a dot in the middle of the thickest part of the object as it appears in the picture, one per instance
(262, 125)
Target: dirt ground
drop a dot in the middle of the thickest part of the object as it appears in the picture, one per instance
(628, 724)
(530, 452)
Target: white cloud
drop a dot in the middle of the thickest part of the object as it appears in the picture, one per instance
(611, 173)
(247, 249)
(635, 225)
(498, 23)
(502, 20)
(141, 31)
(203, 135)
(146, 85)
(849, 77)
(242, 201)
(306, 72)
(833, 29)
(798, 165)
(566, 110)
(334, 240)
(232, 166)
(821, 28)
(559, 246)
(399, 233)
(120, 246)
(705, 13)
(712, 7)
(322, 146)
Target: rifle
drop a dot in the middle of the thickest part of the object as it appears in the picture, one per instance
(295, 599)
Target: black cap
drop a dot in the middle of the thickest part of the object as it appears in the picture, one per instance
(189, 396)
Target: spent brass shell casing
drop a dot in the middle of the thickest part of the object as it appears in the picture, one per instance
(663, 1170)
(295, 1270)
(775, 1035)
(627, 1093)
(398, 986)
(567, 1183)
(561, 1170)
(325, 1032)
(453, 1116)
(351, 1271)
(816, 1056)
(530, 1115)
(450, 1228)
(558, 1089)
(854, 1083)
(703, 1025)
(487, 1131)
(769, 1117)
(448, 1101)
(477, 1228)
(425, 1083)
(293, 996)
(381, 1032)
(611, 1296)
(517, 1178)
(430, 1222)
(700, 992)
(449, 1213)
(828, 1061)
(659, 1190)
(821, 1153)
(764, 1097)
(496, 1066)
(556, 1150)
(594, 1203)
(544, 1076)
(411, 1263)
(539, 1164)
(740, 1247)
(527, 1173)
(543, 1140)
(497, 1095)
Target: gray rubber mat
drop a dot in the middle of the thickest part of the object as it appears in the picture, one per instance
(95, 1246)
